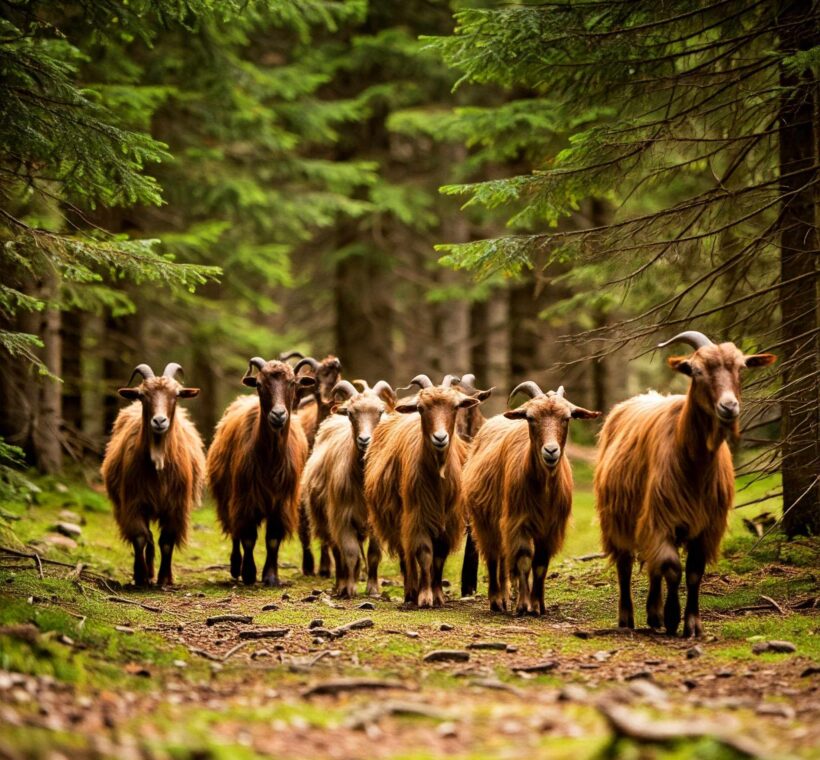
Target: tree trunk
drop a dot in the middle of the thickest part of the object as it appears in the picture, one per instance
(72, 356)
(48, 450)
(498, 352)
(798, 268)
(203, 376)
(123, 344)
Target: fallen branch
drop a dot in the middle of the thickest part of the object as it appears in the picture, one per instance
(233, 650)
(228, 619)
(264, 633)
(343, 685)
(363, 719)
(773, 603)
(124, 600)
(34, 556)
(590, 557)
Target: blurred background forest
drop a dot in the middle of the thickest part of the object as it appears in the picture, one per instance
(203, 181)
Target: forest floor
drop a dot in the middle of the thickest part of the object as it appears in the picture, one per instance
(91, 667)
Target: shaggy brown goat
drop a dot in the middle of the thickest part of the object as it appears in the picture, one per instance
(255, 465)
(313, 410)
(665, 478)
(333, 482)
(153, 470)
(517, 491)
(413, 485)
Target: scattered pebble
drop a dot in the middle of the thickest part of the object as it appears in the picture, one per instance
(215, 619)
(446, 627)
(776, 709)
(318, 640)
(180, 664)
(447, 730)
(693, 652)
(60, 542)
(773, 646)
(572, 692)
(639, 674)
(316, 623)
(66, 515)
(270, 607)
(124, 628)
(411, 634)
(539, 667)
(366, 606)
(260, 653)
(500, 646)
(447, 655)
(68, 529)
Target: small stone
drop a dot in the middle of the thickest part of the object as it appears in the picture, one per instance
(411, 634)
(812, 670)
(60, 542)
(316, 623)
(66, 515)
(270, 607)
(602, 656)
(724, 673)
(447, 655)
(366, 606)
(539, 667)
(693, 652)
(124, 629)
(639, 674)
(445, 583)
(180, 664)
(385, 596)
(446, 627)
(572, 692)
(68, 529)
(776, 709)
(447, 730)
(285, 597)
(783, 647)
(649, 691)
(499, 646)
(511, 649)
(260, 653)
(318, 640)
(310, 598)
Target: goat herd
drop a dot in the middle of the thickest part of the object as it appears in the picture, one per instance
(347, 462)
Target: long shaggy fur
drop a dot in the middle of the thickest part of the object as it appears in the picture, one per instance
(254, 474)
(139, 491)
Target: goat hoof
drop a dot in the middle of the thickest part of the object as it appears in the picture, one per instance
(324, 572)
(165, 582)
(496, 606)
(373, 591)
(654, 621)
(522, 610)
(425, 599)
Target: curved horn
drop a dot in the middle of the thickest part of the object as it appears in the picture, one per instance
(560, 391)
(307, 361)
(285, 355)
(449, 380)
(468, 380)
(257, 362)
(529, 388)
(144, 370)
(692, 337)
(171, 369)
(422, 381)
(383, 385)
(343, 388)
(358, 382)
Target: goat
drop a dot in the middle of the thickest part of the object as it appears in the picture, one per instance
(333, 481)
(413, 485)
(153, 469)
(255, 465)
(468, 423)
(665, 479)
(517, 491)
(313, 410)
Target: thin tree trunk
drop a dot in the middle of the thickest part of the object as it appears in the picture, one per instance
(498, 351)
(48, 451)
(798, 300)
(72, 357)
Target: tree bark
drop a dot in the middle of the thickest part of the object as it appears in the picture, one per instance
(798, 268)
(48, 450)
(71, 335)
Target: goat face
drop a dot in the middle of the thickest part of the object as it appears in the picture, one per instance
(365, 410)
(548, 417)
(469, 421)
(715, 372)
(327, 375)
(277, 385)
(437, 408)
(159, 401)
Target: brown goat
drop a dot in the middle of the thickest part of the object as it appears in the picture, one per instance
(333, 482)
(413, 485)
(517, 491)
(665, 478)
(255, 466)
(313, 410)
(153, 470)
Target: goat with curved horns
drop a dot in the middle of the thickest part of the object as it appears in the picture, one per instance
(413, 485)
(255, 465)
(517, 490)
(153, 469)
(665, 479)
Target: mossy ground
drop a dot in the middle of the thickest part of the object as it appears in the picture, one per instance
(72, 682)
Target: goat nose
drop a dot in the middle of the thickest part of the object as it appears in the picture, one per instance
(363, 440)
(277, 417)
(728, 408)
(550, 452)
(440, 439)
(159, 422)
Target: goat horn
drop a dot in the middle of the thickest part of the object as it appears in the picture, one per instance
(449, 380)
(257, 362)
(692, 337)
(285, 355)
(363, 383)
(171, 370)
(307, 361)
(422, 381)
(560, 391)
(343, 388)
(144, 370)
(529, 388)
(383, 385)
(467, 380)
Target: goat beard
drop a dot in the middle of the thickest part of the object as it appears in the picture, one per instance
(157, 451)
(723, 431)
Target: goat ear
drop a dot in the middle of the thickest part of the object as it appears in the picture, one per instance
(250, 381)
(306, 381)
(469, 401)
(407, 407)
(760, 360)
(483, 395)
(680, 364)
(132, 394)
(516, 414)
(337, 409)
(188, 392)
(579, 413)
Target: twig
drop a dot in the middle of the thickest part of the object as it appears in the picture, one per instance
(123, 600)
(773, 603)
(235, 649)
(352, 684)
(39, 566)
(16, 553)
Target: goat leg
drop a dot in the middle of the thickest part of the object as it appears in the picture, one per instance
(140, 566)
(374, 556)
(339, 566)
(469, 567)
(671, 569)
(248, 539)
(351, 557)
(523, 565)
(308, 565)
(274, 533)
(540, 564)
(236, 559)
(324, 561)
(626, 613)
(166, 549)
(695, 565)
(654, 599)
(150, 550)
(424, 557)
(495, 592)
(441, 548)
